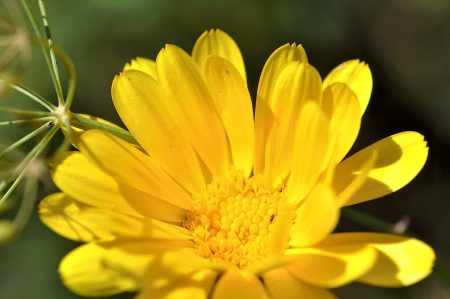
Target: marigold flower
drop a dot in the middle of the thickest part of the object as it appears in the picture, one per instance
(216, 205)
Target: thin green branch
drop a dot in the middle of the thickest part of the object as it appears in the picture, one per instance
(33, 96)
(30, 157)
(24, 112)
(25, 121)
(84, 123)
(54, 65)
(71, 70)
(24, 139)
(54, 76)
(368, 221)
(27, 205)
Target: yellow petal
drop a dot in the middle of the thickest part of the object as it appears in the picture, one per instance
(341, 107)
(130, 166)
(142, 106)
(234, 105)
(217, 42)
(62, 215)
(195, 286)
(401, 261)
(330, 266)
(137, 174)
(399, 159)
(239, 284)
(102, 269)
(189, 99)
(82, 180)
(80, 222)
(281, 284)
(351, 188)
(296, 84)
(357, 76)
(316, 217)
(188, 260)
(311, 151)
(145, 65)
(279, 59)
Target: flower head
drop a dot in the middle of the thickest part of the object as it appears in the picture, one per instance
(217, 204)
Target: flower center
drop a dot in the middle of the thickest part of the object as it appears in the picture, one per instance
(233, 219)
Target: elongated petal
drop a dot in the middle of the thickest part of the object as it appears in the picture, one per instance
(194, 286)
(189, 99)
(145, 65)
(234, 105)
(401, 261)
(102, 269)
(80, 179)
(281, 284)
(296, 84)
(315, 218)
(134, 170)
(142, 106)
(331, 266)
(80, 222)
(279, 59)
(217, 42)
(131, 167)
(239, 284)
(311, 151)
(357, 76)
(61, 214)
(341, 106)
(399, 159)
(347, 193)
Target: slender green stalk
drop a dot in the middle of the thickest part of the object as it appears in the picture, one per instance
(24, 112)
(33, 96)
(368, 221)
(27, 205)
(25, 121)
(31, 156)
(54, 66)
(85, 123)
(24, 139)
(55, 77)
(70, 66)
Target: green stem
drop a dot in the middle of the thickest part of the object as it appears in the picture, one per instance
(85, 123)
(368, 221)
(23, 166)
(25, 121)
(26, 207)
(54, 66)
(55, 79)
(34, 96)
(70, 67)
(24, 112)
(24, 139)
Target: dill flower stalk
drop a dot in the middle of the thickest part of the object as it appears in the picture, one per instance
(27, 170)
(214, 203)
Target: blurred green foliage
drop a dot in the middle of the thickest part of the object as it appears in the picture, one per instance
(406, 43)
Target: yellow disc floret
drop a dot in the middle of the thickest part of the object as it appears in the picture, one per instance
(233, 219)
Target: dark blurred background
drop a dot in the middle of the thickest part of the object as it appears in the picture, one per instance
(405, 42)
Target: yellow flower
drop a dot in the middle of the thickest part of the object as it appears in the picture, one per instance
(216, 205)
